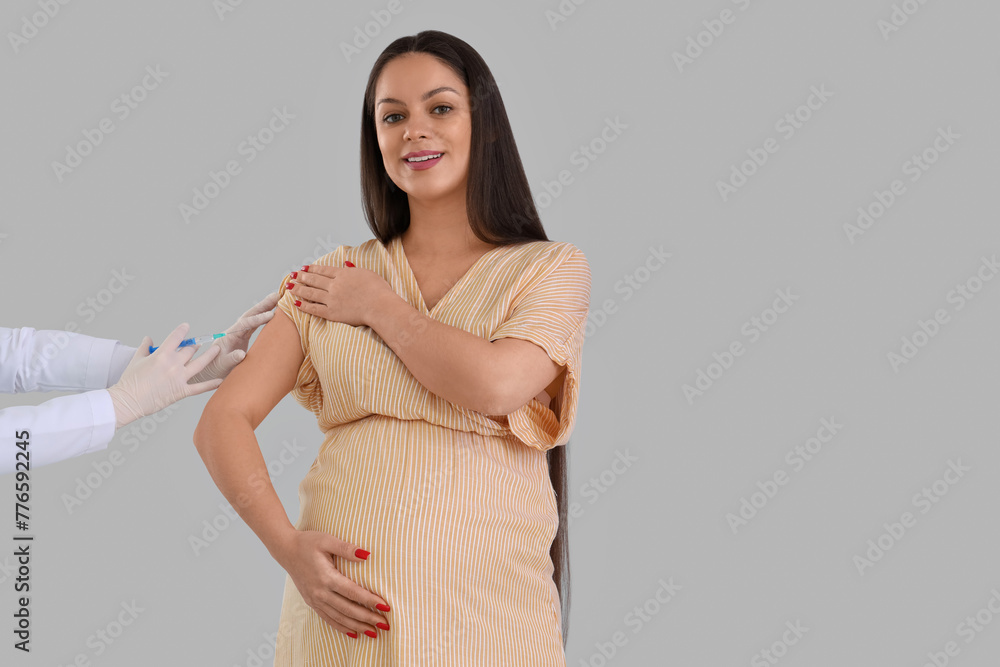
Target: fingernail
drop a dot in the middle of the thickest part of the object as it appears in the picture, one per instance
(384, 626)
(371, 633)
(382, 607)
(361, 553)
(305, 268)
(298, 303)
(289, 285)
(295, 274)
(348, 263)
(352, 634)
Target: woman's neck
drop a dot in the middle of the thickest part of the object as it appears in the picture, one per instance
(441, 230)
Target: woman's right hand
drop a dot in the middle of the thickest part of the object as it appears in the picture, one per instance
(306, 555)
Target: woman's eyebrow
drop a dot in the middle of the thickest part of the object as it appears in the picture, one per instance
(426, 96)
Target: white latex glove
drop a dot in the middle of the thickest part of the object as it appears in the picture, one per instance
(233, 346)
(151, 382)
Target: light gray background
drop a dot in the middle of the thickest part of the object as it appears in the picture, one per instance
(663, 517)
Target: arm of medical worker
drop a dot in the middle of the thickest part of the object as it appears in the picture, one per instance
(67, 426)
(58, 429)
(47, 360)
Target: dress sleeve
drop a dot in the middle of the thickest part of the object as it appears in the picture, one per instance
(307, 390)
(550, 310)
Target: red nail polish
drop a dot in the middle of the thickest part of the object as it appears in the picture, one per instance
(348, 263)
(306, 268)
(352, 634)
(361, 553)
(382, 607)
(295, 274)
(298, 303)
(289, 285)
(371, 633)
(384, 626)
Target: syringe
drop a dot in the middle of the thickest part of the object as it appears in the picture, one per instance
(192, 341)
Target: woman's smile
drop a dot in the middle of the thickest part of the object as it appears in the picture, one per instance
(423, 159)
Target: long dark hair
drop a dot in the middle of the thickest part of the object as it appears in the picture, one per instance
(498, 201)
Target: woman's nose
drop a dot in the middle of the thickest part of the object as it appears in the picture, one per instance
(415, 129)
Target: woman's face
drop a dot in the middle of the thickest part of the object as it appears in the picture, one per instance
(408, 120)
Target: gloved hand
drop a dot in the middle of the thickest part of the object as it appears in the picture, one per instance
(151, 382)
(233, 346)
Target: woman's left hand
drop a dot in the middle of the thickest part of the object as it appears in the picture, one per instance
(339, 294)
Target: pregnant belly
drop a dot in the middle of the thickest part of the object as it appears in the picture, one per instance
(398, 485)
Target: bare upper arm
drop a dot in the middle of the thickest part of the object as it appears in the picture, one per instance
(265, 376)
(525, 371)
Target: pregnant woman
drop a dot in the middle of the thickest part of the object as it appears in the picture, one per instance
(442, 362)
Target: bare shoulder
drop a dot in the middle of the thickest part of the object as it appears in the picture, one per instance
(265, 376)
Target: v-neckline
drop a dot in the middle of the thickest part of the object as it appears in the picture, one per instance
(412, 278)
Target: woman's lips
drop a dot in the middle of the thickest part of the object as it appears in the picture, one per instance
(425, 164)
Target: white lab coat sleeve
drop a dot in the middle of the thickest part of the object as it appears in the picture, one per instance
(62, 427)
(120, 359)
(58, 429)
(53, 360)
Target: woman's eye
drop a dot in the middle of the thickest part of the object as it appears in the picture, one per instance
(440, 106)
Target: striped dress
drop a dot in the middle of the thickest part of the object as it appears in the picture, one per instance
(455, 506)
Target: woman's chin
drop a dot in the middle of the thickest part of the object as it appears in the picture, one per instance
(430, 193)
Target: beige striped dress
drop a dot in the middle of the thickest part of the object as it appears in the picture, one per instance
(455, 506)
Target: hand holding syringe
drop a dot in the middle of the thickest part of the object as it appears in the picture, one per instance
(148, 384)
(236, 342)
(198, 340)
